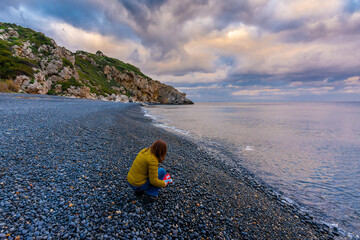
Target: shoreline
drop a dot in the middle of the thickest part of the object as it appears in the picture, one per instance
(76, 187)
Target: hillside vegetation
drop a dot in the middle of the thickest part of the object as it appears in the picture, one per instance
(36, 64)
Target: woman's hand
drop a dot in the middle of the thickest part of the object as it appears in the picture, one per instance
(166, 183)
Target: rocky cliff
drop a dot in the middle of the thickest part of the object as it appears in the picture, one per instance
(37, 65)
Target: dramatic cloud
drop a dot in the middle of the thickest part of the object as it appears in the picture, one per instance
(352, 81)
(218, 50)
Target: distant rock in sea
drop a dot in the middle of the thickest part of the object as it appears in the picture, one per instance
(32, 63)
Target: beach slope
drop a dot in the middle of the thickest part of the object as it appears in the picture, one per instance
(63, 167)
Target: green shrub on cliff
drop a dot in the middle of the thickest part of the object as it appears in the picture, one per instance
(71, 82)
(103, 60)
(37, 38)
(66, 62)
(51, 92)
(95, 76)
(26, 34)
(11, 66)
(91, 69)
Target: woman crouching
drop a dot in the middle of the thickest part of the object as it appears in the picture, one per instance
(144, 175)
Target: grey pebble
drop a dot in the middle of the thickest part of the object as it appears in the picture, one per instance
(72, 157)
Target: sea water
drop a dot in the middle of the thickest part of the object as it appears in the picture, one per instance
(308, 152)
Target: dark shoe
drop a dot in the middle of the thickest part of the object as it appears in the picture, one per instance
(149, 199)
(139, 193)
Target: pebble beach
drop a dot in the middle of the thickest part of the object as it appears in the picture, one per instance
(63, 167)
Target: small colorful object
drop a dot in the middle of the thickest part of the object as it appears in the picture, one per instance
(167, 178)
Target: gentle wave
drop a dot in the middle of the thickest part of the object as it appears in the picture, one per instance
(249, 148)
(163, 125)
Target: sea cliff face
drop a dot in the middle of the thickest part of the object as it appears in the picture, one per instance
(145, 89)
(37, 65)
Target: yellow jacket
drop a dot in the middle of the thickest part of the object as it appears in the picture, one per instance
(145, 166)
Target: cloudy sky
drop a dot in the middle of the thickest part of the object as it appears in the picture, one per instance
(215, 50)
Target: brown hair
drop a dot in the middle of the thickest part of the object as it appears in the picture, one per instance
(159, 149)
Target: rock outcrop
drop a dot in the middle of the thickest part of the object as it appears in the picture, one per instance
(145, 89)
(43, 67)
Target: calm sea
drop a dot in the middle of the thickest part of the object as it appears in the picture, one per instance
(308, 152)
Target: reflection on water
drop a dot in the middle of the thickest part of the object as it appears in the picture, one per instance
(308, 151)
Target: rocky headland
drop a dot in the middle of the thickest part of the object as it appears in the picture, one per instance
(35, 64)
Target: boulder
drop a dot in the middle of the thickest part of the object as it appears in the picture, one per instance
(118, 98)
(13, 33)
(22, 81)
(25, 51)
(52, 67)
(40, 76)
(80, 92)
(66, 73)
(61, 52)
(4, 36)
(38, 88)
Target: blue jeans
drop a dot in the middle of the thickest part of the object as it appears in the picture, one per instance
(148, 188)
